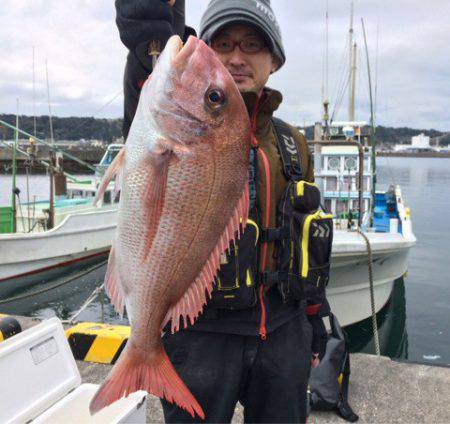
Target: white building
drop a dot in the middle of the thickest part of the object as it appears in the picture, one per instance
(419, 143)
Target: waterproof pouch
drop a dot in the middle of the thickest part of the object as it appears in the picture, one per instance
(305, 196)
(314, 250)
(303, 253)
(234, 286)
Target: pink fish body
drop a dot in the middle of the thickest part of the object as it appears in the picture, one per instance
(184, 192)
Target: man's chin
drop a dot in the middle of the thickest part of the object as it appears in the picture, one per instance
(247, 88)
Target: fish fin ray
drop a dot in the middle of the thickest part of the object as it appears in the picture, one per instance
(112, 284)
(113, 169)
(155, 374)
(204, 282)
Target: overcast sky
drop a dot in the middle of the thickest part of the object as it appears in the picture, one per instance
(85, 58)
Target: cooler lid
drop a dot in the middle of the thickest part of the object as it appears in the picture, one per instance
(37, 369)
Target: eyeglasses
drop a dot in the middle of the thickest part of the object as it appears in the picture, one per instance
(251, 45)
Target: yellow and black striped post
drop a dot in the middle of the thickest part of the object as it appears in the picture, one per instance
(8, 327)
(94, 342)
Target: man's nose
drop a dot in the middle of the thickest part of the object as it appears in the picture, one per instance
(237, 57)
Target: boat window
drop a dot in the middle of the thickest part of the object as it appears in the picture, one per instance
(109, 157)
(331, 183)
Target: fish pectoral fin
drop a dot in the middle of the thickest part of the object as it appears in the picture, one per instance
(112, 284)
(156, 167)
(190, 305)
(178, 149)
(113, 169)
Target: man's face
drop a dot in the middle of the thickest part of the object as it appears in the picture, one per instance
(250, 68)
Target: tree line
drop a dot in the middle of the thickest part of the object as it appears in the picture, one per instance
(89, 128)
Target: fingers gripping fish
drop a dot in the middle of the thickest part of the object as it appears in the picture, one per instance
(184, 173)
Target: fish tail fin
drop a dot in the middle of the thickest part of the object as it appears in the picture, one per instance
(152, 373)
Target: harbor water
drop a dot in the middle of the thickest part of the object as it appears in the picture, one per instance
(414, 325)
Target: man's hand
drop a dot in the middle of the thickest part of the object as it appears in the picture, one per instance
(144, 24)
(140, 21)
(319, 340)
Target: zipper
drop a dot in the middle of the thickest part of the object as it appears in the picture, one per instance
(262, 325)
(254, 141)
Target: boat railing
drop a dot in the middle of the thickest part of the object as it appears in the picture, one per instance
(42, 162)
(49, 145)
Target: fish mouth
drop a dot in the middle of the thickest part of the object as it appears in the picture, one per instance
(181, 53)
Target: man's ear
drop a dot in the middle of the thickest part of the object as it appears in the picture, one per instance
(275, 64)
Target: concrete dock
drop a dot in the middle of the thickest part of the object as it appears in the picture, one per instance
(381, 391)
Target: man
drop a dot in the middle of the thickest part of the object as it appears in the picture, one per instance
(248, 345)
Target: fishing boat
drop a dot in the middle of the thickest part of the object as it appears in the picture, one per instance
(369, 226)
(372, 228)
(41, 240)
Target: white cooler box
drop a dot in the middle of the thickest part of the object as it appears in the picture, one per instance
(40, 382)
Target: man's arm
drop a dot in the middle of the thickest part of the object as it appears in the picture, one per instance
(139, 23)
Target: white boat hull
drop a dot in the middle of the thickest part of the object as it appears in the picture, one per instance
(348, 291)
(29, 258)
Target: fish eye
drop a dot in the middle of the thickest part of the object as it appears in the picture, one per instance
(215, 98)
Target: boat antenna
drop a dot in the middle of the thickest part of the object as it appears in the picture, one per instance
(372, 126)
(34, 98)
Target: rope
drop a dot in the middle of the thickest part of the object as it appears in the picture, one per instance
(88, 301)
(61, 283)
(372, 294)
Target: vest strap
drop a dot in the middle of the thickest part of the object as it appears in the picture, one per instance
(272, 234)
(288, 149)
(269, 279)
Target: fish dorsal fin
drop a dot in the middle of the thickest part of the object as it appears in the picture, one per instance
(113, 169)
(191, 303)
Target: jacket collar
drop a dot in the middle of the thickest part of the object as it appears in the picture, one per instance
(264, 107)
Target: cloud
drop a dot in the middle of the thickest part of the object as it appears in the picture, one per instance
(85, 58)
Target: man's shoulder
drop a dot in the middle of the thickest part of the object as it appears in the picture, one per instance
(296, 133)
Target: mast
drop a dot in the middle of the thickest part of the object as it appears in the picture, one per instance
(14, 170)
(34, 98)
(325, 100)
(350, 64)
(351, 114)
(372, 126)
(51, 220)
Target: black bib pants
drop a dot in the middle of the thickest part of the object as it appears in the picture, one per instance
(268, 377)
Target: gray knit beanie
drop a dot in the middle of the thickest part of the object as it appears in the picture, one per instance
(221, 13)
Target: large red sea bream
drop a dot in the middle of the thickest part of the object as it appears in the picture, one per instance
(184, 191)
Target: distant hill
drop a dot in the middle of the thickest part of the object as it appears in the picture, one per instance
(88, 128)
(72, 128)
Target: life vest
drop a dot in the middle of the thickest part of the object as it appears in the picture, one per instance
(303, 239)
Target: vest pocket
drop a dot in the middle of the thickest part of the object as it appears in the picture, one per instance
(234, 286)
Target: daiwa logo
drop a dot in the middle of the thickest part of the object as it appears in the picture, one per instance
(320, 230)
(289, 142)
(266, 10)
